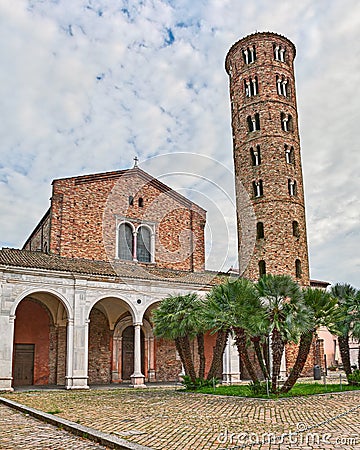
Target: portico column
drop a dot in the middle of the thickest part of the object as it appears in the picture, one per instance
(152, 375)
(6, 351)
(77, 355)
(137, 378)
(69, 353)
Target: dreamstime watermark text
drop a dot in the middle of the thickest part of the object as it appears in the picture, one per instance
(300, 437)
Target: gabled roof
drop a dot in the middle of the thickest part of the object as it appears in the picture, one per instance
(10, 257)
(91, 178)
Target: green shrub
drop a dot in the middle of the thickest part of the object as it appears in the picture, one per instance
(354, 378)
(199, 383)
(257, 388)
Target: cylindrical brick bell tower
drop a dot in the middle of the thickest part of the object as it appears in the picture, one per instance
(267, 158)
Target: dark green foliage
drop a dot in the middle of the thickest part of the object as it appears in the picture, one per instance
(199, 383)
(258, 388)
(324, 311)
(354, 378)
(180, 318)
(287, 316)
(348, 299)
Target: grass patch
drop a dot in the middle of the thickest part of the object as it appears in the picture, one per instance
(54, 411)
(298, 390)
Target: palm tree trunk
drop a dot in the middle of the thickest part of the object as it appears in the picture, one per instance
(218, 351)
(345, 353)
(240, 339)
(179, 349)
(359, 357)
(303, 352)
(277, 347)
(201, 352)
(188, 359)
(265, 350)
(257, 348)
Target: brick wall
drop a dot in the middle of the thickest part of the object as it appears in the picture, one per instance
(61, 355)
(315, 357)
(275, 208)
(86, 211)
(99, 368)
(168, 366)
(40, 238)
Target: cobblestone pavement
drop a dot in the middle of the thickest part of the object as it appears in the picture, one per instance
(20, 431)
(172, 420)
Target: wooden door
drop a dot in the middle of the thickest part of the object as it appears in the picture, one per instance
(24, 364)
(127, 353)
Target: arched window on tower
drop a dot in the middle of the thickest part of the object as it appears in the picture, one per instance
(286, 122)
(253, 122)
(295, 228)
(258, 188)
(255, 155)
(289, 154)
(131, 200)
(292, 187)
(125, 242)
(262, 268)
(257, 121)
(251, 87)
(279, 53)
(249, 54)
(249, 123)
(143, 244)
(260, 230)
(141, 202)
(282, 86)
(298, 268)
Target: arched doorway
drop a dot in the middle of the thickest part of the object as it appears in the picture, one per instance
(123, 363)
(103, 363)
(39, 356)
(128, 353)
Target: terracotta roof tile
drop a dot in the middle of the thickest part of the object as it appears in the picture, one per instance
(38, 260)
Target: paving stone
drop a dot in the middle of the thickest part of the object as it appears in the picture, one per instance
(21, 431)
(168, 419)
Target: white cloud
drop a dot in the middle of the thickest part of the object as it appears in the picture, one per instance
(86, 85)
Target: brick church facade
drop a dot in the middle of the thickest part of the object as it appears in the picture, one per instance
(76, 301)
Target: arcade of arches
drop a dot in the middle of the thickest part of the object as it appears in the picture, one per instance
(40, 344)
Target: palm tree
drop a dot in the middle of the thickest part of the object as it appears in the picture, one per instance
(217, 316)
(286, 314)
(249, 325)
(345, 295)
(179, 318)
(324, 311)
(234, 305)
(355, 312)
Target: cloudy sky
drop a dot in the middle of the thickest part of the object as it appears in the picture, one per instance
(85, 85)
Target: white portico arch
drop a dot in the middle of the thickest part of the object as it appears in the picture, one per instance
(39, 337)
(105, 356)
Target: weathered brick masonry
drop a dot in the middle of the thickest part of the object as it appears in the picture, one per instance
(275, 207)
(86, 210)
